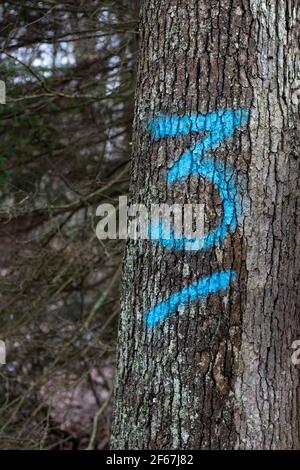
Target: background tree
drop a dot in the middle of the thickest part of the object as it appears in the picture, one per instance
(217, 372)
(69, 68)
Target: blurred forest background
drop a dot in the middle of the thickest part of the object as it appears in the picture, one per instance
(69, 69)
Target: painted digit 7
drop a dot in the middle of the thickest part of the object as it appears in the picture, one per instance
(217, 128)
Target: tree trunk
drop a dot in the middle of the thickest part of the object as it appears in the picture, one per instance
(205, 336)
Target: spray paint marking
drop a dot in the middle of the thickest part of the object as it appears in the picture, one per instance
(217, 128)
(202, 288)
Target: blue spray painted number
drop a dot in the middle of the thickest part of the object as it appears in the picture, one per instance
(217, 128)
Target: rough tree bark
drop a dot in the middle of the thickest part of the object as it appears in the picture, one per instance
(217, 372)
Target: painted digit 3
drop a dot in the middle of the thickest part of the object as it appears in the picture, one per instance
(217, 127)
